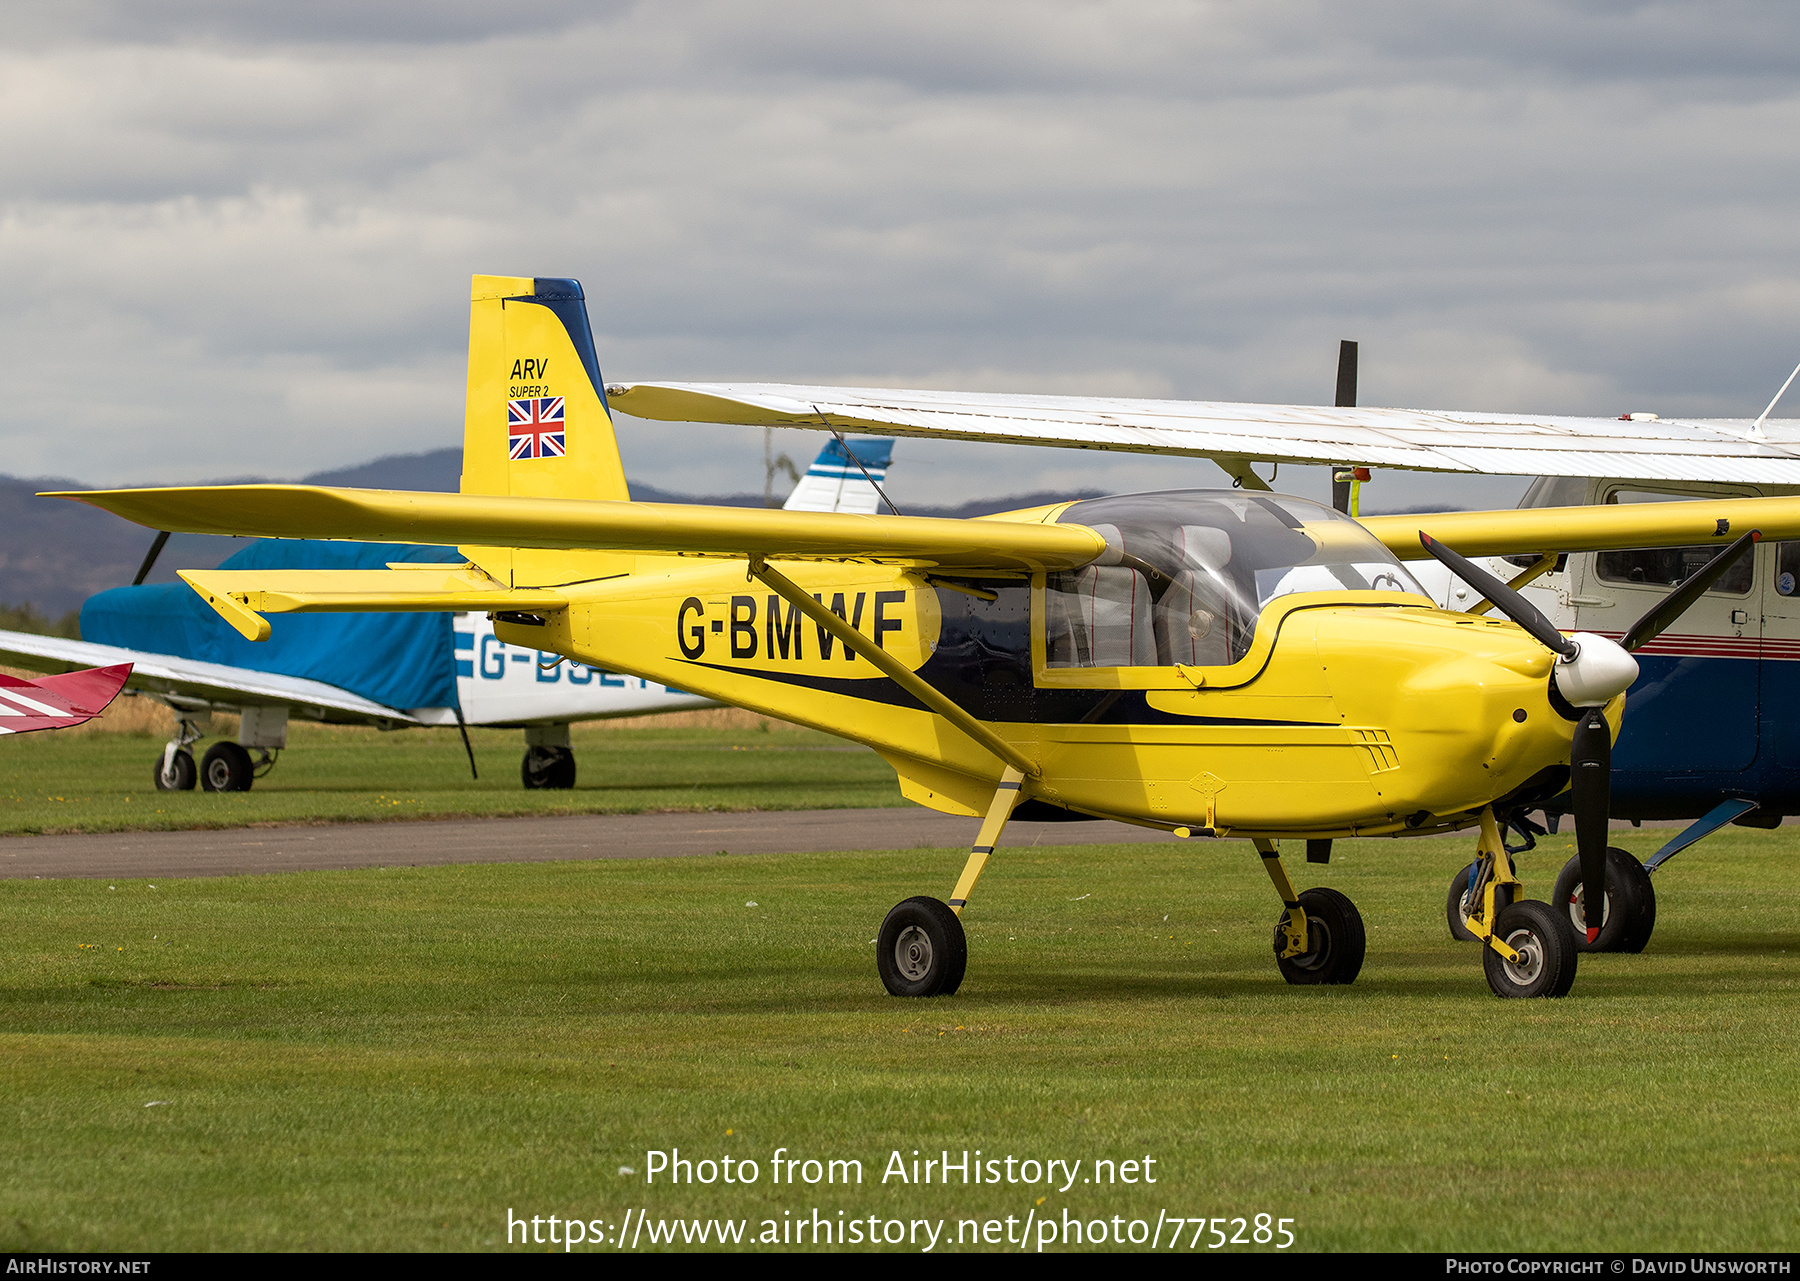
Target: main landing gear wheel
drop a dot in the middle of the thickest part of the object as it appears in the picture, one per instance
(179, 775)
(1458, 905)
(1541, 935)
(548, 767)
(226, 767)
(1629, 914)
(921, 950)
(1334, 938)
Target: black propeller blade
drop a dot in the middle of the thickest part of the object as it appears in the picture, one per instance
(1658, 620)
(1505, 599)
(1590, 797)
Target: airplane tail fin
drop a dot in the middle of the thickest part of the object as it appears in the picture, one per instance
(536, 423)
(837, 483)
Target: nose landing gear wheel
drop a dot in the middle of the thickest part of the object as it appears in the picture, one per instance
(1335, 941)
(921, 950)
(1546, 946)
(1458, 905)
(1629, 915)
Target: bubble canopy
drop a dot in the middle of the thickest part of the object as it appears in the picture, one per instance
(1188, 572)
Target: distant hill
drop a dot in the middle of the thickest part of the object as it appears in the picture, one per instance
(54, 555)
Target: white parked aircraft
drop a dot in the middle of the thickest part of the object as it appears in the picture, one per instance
(370, 669)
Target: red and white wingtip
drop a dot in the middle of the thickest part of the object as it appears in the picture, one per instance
(57, 702)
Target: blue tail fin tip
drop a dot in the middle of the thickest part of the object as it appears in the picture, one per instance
(872, 451)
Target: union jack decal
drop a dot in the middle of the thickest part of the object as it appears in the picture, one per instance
(534, 428)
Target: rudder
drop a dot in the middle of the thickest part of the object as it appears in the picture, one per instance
(536, 424)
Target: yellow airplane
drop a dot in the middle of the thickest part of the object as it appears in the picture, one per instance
(1207, 662)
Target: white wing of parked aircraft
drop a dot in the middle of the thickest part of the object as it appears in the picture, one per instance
(189, 683)
(1638, 446)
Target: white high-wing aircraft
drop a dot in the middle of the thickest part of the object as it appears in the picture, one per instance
(369, 669)
(1707, 733)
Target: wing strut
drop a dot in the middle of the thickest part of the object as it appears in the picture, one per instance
(463, 729)
(898, 672)
(162, 538)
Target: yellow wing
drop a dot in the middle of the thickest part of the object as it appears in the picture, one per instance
(1590, 529)
(378, 515)
(372, 515)
(386, 516)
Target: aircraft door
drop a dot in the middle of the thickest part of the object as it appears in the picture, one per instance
(1696, 704)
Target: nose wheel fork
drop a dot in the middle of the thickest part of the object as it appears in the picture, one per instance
(1319, 938)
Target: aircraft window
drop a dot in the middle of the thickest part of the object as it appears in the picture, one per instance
(1787, 568)
(1194, 571)
(1667, 566)
(1556, 491)
(1099, 617)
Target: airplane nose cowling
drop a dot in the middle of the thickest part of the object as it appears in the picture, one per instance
(1600, 671)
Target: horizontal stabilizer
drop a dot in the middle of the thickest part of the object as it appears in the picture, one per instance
(242, 596)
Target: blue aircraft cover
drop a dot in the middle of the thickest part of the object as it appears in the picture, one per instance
(398, 660)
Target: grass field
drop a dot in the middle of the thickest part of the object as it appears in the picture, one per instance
(394, 1059)
(101, 781)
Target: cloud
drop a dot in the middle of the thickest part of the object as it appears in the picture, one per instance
(237, 238)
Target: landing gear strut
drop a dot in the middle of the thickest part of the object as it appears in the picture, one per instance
(1463, 900)
(227, 766)
(175, 770)
(1527, 948)
(1319, 938)
(922, 950)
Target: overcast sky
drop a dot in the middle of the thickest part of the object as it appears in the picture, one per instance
(237, 238)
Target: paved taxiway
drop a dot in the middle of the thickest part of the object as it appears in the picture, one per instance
(244, 851)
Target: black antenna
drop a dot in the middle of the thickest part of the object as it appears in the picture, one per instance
(1346, 399)
(1346, 384)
